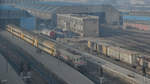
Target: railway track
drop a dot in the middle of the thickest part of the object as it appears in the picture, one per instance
(132, 42)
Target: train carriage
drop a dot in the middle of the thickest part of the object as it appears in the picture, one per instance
(23, 34)
(77, 60)
(46, 45)
(129, 56)
(14, 30)
(29, 37)
(46, 48)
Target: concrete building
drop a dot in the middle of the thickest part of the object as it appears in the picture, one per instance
(85, 25)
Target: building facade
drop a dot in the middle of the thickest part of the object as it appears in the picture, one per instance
(85, 25)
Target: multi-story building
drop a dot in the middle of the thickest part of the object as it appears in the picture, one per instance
(85, 25)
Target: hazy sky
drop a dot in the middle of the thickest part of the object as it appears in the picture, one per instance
(92, 1)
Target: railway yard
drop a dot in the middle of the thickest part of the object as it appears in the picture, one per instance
(135, 41)
(115, 60)
(108, 77)
(61, 71)
(47, 43)
(130, 40)
(98, 61)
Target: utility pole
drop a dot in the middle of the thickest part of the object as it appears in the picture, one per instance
(101, 80)
(101, 76)
(144, 69)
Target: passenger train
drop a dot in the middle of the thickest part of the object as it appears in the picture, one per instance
(46, 45)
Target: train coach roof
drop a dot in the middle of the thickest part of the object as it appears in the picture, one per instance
(23, 30)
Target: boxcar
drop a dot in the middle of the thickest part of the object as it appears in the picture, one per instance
(113, 52)
(128, 56)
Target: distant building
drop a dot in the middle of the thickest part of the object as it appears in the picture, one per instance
(45, 14)
(11, 15)
(85, 25)
(137, 22)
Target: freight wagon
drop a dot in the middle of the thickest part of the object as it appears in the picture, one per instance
(144, 61)
(117, 53)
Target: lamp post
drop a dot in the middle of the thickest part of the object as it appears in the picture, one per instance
(144, 69)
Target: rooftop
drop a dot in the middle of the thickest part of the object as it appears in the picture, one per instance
(45, 11)
(139, 18)
(7, 7)
(81, 16)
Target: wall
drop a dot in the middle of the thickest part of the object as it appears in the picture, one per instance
(28, 23)
(4, 22)
(91, 27)
(113, 16)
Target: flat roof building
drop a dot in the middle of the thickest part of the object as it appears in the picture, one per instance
(85, 25)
